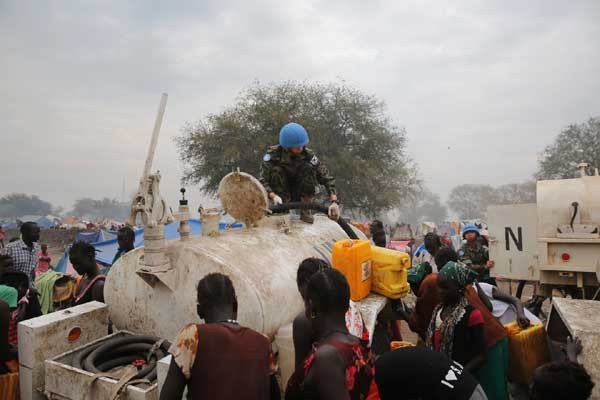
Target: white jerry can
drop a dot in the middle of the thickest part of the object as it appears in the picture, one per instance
(513, 241)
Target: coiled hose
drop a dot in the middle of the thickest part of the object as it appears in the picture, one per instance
(280, 208)
(123, 351)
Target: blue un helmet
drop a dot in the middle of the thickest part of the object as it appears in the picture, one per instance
(293, 135)
(470, 228)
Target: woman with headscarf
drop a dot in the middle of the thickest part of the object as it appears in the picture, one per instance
(456, 327)
(488, 366)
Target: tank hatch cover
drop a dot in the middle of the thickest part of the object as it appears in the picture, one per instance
(243, 197)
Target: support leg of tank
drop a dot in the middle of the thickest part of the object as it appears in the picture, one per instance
(520, 288)
(535, 305)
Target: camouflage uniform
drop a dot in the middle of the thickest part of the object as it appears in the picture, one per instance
(293, 176)
(476, 257)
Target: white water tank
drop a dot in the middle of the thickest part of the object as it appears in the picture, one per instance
(261, 262)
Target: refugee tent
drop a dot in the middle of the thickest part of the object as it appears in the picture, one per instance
(10, 225)
(95, 236)
(45, 223)
(106, 250)
(70, 220)
(29, 218)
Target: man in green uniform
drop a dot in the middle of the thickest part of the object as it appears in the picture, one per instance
(290, 172)
(475, 255)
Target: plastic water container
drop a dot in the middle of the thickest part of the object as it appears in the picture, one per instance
(527, 350)
(390, 272)
(353, 258)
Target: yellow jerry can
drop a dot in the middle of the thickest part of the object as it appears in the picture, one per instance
(390, 272)
(527, 350)
(353, 259)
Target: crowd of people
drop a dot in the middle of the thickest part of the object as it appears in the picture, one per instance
(28, 282)
(462, 351)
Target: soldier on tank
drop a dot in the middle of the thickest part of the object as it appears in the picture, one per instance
(475, 255)
(290, 172)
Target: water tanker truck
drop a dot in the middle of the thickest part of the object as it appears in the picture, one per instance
(555, 244)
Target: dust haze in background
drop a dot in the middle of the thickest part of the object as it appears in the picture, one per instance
(481, 89)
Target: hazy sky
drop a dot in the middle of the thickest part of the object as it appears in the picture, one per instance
(480, 86)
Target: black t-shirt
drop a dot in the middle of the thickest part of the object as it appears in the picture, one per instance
(421, 373)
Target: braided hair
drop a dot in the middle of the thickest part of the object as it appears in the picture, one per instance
(215, 290)
(329, 291)
(308, 267)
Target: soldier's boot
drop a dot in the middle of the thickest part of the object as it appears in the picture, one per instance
(306, 215)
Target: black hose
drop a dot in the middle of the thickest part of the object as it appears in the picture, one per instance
(576, 207)
(120, 351)
(298, 205)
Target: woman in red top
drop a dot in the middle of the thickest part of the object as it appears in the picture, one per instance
(456, 327)
(339, 367)
(220, 359)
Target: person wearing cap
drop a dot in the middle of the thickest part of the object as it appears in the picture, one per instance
(475, 255)
(290, 172)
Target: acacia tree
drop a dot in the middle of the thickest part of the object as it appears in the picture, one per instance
(470, 201)
(104, 208)
(423, 205)
(19, 204)
(574, 145)
(348, 129)
(516, 193)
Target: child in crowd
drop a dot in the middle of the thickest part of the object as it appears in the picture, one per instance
(44, 259)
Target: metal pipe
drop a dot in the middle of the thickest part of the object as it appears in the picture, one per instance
(162, 106)
(316, 207)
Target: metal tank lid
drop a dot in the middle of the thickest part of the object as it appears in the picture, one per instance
(243, 197)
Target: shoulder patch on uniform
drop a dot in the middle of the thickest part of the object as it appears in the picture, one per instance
(314, 160)
(267, 157)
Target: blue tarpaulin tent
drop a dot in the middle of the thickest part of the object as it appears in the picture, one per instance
(106, 250)
(95, 237)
